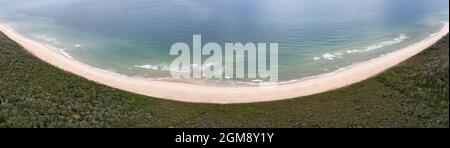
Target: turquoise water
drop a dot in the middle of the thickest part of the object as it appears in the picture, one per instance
(133, 37)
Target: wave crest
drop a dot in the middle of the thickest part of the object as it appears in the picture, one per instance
(331, 56)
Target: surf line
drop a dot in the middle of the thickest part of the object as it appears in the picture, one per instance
(237, 61)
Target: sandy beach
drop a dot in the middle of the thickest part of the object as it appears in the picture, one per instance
(187, 92)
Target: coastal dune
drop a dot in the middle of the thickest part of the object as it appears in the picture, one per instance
(187, 92)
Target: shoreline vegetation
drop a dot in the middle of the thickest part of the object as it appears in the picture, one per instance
(36, 94)
(195, 93)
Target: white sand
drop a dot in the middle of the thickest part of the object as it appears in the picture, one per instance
(218, 94)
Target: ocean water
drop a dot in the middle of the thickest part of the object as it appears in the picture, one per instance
(133, 37)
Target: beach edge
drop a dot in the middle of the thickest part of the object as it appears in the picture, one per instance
(224, 95)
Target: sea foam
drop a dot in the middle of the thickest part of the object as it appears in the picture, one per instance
(397, 40)
(331, 56)
(152, 67)
(46, 38)
(160, 67)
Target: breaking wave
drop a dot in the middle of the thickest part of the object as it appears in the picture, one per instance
(46, 38)
(331, 56)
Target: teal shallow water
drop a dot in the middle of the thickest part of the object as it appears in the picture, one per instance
(134, 37)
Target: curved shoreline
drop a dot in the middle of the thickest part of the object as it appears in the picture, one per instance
(186, 92)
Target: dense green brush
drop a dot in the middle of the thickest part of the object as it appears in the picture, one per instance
(36, 94)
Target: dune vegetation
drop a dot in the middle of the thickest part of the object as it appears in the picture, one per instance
(35, 94)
